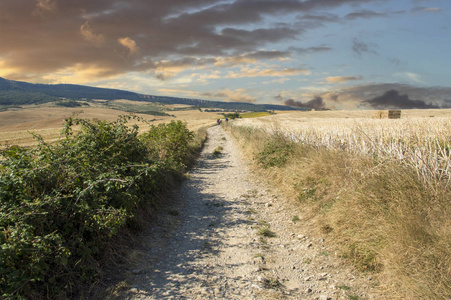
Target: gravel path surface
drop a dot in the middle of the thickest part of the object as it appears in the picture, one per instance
(232, 238)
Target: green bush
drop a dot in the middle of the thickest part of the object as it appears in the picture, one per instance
(61, 203)
(68, 103)
(275, 152)
(169, 141)
(232, 116)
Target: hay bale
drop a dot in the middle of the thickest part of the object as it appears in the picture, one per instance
(394, 114)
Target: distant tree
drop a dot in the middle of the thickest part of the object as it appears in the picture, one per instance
(232, 115)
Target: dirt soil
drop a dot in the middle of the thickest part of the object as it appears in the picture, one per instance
(228, 236)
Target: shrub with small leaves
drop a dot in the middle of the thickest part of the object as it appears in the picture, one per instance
(61, 203)
(275, 152)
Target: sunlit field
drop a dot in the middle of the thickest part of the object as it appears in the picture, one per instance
(17, 125)
(377, 189)
(420, 138)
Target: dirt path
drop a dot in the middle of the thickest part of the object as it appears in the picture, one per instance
(219, 244)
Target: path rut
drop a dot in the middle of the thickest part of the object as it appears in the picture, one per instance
(221, 245)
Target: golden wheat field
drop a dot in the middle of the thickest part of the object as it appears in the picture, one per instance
(421, 138)
(46, 120)
(378, 189)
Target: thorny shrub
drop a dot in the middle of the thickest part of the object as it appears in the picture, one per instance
(61, 203)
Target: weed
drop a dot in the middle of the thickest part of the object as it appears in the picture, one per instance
(326, 229)
(263, 223)
(272, 283)
(218, 151)
(264, 231)
(295, 219)
(275, 153)
(253, 192)
(364, 258)
(344, 287)
(251, 211)
(307, 194)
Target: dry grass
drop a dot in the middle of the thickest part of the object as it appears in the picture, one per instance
(47, 120)
(423, 143)
(256, 114)
(379, 213)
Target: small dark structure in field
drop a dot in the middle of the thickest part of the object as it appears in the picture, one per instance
(394, 114)
(390, 114)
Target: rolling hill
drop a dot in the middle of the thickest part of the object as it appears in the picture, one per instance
(19, 93)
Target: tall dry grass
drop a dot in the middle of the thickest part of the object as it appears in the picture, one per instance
(423, 143)
(374, 208)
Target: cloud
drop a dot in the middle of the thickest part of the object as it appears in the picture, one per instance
(341, 79)
(310, 50)
(129, 44)
(393, 99)
(320, 17)
(357, 97)
(360, 47)
(278, 97)
(427, 9)
(255, 72)
(315, 103)
(89, 35)
(237, 95)
(411, 76)
(44, 6)
(364, 14)
(133, 36)
(180, 92)
(251, 58)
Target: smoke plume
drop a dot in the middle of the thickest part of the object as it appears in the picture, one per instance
(316, 103)
(393, 99)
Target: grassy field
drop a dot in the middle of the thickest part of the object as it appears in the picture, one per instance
(47, 120)
(256, 114)
(417, 139)
(379, 190)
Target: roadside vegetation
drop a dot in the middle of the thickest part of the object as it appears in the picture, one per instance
(381, 200)
(256, 114)
(64, 203)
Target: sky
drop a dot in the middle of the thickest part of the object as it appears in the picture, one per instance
(336, 54)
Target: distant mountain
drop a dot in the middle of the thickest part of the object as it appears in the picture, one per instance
(16, 92)
(20, 93)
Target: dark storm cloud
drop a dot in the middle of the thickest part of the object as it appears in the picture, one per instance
(369, 96)
(279, 97)
(393, 99)
(334, 97)
(316, 103)
(108, 37)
